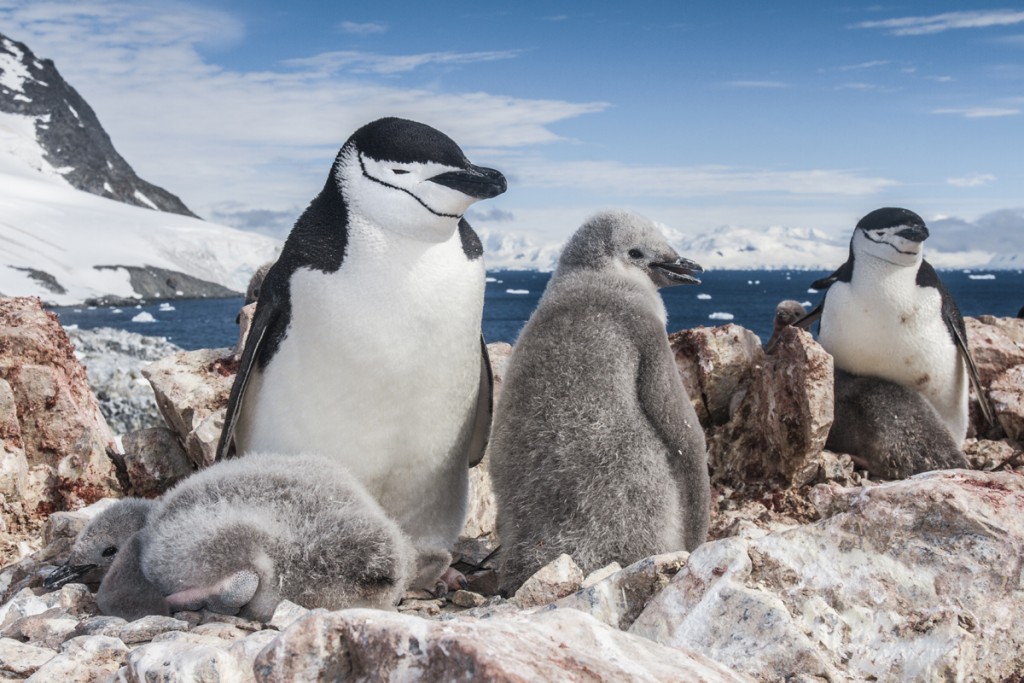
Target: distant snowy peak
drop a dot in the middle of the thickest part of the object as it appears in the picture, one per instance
(772, 248)
(47, 126)
(507, 251)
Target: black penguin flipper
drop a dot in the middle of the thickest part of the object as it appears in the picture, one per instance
(264, 320)
(842, 274)
(484, 409)
(811, 317)
(951, 316)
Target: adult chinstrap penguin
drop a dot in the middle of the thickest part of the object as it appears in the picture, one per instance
(596, 450)
(240, 536)
(367, 333)
(887, 314)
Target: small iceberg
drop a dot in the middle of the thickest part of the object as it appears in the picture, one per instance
(517, 291)
(166, 306)
(144, 317)
(116, 310)
(491, 279)
(985, 276)
(812, 291)
(806, 304)
(721, 316)
(703, 297)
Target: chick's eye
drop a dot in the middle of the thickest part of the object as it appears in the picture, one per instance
(109, 551)
(399, 171)
(635, 253)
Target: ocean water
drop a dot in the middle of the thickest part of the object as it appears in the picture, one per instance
(747, 298)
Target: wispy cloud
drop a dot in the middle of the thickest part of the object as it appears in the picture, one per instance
(915, 26)
(757, 84)
(973, 180)
(979, 112)
(368, 62)
(363, 29)
(940, 79)
(863, 65)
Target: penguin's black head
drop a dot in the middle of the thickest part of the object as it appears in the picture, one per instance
(891, 234)
(410, 178)
(629, 245)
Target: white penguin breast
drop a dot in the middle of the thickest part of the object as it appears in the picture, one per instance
(381, 362)
(893, 329)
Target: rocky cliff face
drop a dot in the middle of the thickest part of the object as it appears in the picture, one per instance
(69, 132)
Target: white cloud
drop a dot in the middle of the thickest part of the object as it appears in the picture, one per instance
(368, 62)
(863, 65)
(973, 180)
(979, 112)
(913, 26)
(363, 28)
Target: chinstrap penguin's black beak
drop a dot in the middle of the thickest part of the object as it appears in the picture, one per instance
(475, 181)
(914, 233)
(66, 573)
(681, 271)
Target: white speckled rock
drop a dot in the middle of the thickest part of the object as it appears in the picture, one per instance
(83, 660)
(552, 645)
(285, 614)
(148, 627)
(558, 578)
(917, 580)
(182, 661)
(22, 659)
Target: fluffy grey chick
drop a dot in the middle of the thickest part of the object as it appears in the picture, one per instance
(241, 535)
(596, 450)
(889, 429)
(107, 552)
(787, 312)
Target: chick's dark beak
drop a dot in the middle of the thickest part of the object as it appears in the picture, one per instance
(475, 181)
(66, 573)
(681, 271)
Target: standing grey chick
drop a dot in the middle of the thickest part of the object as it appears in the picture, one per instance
(240, 536)
(787, 312)
(596, 450)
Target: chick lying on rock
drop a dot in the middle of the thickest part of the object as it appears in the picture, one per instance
(239, 537)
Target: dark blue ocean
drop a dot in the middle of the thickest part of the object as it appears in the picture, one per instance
(747, 298)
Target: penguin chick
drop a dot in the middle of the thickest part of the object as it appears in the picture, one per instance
(366, 338)
(596, 450)
(242, 535)
(889, 429)
(787, 312)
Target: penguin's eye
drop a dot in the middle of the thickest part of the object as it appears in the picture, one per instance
(399, 171)
(636, 253)
(109, 551)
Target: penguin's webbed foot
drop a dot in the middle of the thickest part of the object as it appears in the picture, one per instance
(227, 596)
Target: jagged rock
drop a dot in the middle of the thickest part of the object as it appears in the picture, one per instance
(715, 363)
(601, 574)
(192, 390)
(22, 659)
(100, 626)
(56, 424)
(24, 603)
(618, 599)
(148, 627)
(917, 580)
(781, 424)
(997, 344)
(285, 614)
(554, 645)
(46, 629)
(992, 455)
(481, 509)
(1007, 395)
(153, 461)
(558, 578)
(182, 661)
(83, 660)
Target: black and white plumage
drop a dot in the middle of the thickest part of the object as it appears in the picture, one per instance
(887, 314)
(240, 536)
(366, 343)
(891, 430)
(596, 450)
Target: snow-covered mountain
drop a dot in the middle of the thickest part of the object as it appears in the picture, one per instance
(72, 222)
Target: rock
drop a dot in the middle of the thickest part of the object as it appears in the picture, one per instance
(781, 424)
(547, 646)
(113, 361)
(601, 574)
(1007, 395)
(226, 632)
(148, 627)
(618, 599)
(715, 363)
(558, 578)
(22, 659)
(46, 629)
(181, 661)
(480, 506)
(83, 660)
(918, 580)
(285, 614)
(245, 316)
(499, 354)
(24, 603)
(100, 626)
(992, 455)
(467, 599)
(997, 344)
(153, 461)
(192, 390)
(50, 418)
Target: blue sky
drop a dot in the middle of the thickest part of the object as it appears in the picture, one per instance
(806, 114)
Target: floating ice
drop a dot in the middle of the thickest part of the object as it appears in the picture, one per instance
(517, 291)
(717, 315)
(703, 297)
(812, 291)
(986, 276)
(144, 317)
(164, 306)
(491, 279)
